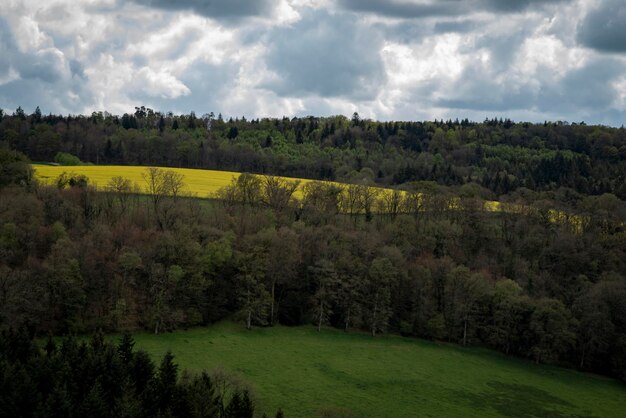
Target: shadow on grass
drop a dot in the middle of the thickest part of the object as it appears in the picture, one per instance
(515, 400)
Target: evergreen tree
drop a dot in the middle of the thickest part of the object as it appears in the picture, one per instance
(125, 348)
(37, 115)
(161, 124)
(234, 406)
(167, 382)
(247, 407)
(94, 404)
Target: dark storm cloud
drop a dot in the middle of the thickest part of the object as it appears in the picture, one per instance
(588, 87)
(604, 28)
(405, 9)
(7, 45)
(451, 26)
(478, 90)
(404, 32)
(326, 55)
(77, 69)
(508, 6)
(582, 91)
(59, 98)
(214, 8)
(411, 31)
(210, 83)
(502, 48)
(44, 77)
(441, 8)
(320, 60)
(45, 65)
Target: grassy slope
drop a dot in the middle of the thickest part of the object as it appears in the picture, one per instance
(301, 371)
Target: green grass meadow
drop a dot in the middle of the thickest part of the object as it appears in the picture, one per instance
(305, 372)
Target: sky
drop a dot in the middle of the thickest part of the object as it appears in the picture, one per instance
(528, 60)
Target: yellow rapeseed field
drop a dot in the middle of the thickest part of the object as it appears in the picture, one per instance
(204, 183)
(201, 183)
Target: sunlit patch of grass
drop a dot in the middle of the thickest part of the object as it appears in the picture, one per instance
(303, 371)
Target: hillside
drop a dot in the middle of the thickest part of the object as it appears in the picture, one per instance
(207, 183)
(76, 259)
(500, 157)
(303, 372)
(313, 208)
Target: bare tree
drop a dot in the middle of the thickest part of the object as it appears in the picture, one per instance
(248, 189)
(321, 197)
(350, 200)
(277, 192)
(391, 203)
(367, 199)
(120, 189)
(164, 187)
(325, 277)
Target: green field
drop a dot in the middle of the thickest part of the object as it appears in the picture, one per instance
(304, 371)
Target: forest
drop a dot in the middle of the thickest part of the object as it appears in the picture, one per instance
(499, 155)
(75, 259)
(103, 379)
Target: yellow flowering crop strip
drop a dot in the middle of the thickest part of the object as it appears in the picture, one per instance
(205, 184)
(200, 183)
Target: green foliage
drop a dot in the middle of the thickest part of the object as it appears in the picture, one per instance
(100, 380)
(71, 180)
(14, 168)
(65, 158)
(74, 259)
(499, 155)
(552, 325)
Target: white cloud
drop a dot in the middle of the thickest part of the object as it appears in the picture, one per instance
(11, 75)
(550, 53)
(29, 36)
(162, 84)
(620, 86)
(387, 59)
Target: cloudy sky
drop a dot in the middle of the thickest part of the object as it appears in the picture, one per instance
(386, 59)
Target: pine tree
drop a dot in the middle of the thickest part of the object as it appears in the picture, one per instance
(167, 378)
(94, 404)
(19, 112)
(50, 346)
(161, 124)
(37, 115)
(201, 397)
(247, 407)
(141, 371)
(125, 348)
(233, 410)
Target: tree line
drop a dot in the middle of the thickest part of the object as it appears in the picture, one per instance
(99, 378)
(500, 155)
(75, 259)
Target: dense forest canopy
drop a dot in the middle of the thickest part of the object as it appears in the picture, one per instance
(500, 155)
(74, 258)
(101, 379)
